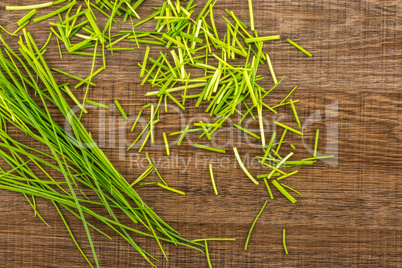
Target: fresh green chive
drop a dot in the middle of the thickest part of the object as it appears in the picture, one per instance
(116, 102)
(252, 226)
(289, 128)
(212, 179)
(284, 241)
(243, 167)
(166, 144)
(299, 47)
(283, 191)
(170, 189)
(316, 142)
(209, 148)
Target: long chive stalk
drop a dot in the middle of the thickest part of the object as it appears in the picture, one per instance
(252, 226)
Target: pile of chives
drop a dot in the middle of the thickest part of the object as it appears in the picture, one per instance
(226, 85)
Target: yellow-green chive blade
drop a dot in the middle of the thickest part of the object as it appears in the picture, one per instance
(212, 179)
(300, 48)
(243, 167)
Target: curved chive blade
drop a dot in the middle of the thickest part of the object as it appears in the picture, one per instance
(243, 167)
(252, 226)
(170, 189)
(284, 241)
(212, 179)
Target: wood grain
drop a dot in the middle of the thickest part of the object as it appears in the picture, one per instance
(349, 215)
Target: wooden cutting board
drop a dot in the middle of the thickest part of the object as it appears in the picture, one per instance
(350, 211)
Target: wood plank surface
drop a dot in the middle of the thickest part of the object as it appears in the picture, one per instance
(350, 214)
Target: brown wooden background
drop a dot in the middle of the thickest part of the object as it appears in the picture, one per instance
(349, 215)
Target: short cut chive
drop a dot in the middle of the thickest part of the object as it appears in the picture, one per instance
(166, 144)
(26, 18)
(48, 4)
(116, 102)
(145, 62)
(252, 226)
(295, 112)
(247, 131)
(183, 135)
(250, 7)
(97, 104)
(289, 128)
(293, 147)
(271, 70)
(209, 148)
(291, 189)
(171, 189)
(316, 142)
(56, 12)
(300, 48)
(213, 179)
(262, 39)
(283, 191)
(287, 175)
(136, 121)
(243, 167)
(268, 188)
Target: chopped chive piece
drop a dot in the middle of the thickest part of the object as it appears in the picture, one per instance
(281, 140)
(287, 175)
(48, 4)
(136, 121)
(145, 62)
(271, 70)
(279, 165)
(299, 47)
(212, 179)
(293, 147)
(283, 191)
(183, 135)
(268, 188)
(207, 254)
(26, 18)
(319, 157)
(252, 226)
(289, 128)
(97, 104)
(166, 143)
(116, 102)
(243, 167)
(284, 242)
(73, 76)
(205, 130)
(316, 142)
(214, 239)
(152, 124)
(261, 176)
(248, 132)
(294, 112)
(209, 148)
(250, 6)
(261, 39)
(54, 13)
(170, 189)
(291, 189)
